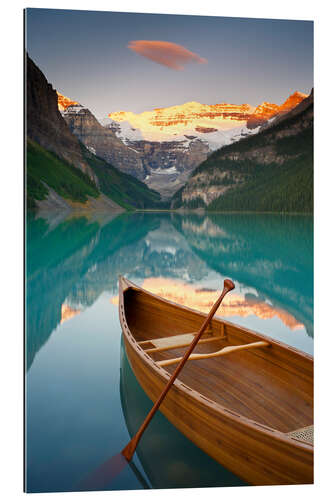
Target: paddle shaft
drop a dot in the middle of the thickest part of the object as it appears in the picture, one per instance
(129, 450)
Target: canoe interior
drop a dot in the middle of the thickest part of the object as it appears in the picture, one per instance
(272, 386)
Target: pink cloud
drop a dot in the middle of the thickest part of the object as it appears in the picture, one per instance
(166, 53)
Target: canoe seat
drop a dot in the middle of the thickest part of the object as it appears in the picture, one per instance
(174, 342)
(304, 434)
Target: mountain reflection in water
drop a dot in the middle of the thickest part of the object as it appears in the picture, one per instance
(203, 299)
(71, 262)
(72, 268)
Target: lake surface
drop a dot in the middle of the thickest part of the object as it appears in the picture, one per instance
(83, 402)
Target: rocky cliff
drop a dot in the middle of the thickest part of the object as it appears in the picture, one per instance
(44, 123)
(258, 172)
(167, 165)
(102, 141)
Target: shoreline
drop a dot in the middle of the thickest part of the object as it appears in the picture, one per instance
(90, 210)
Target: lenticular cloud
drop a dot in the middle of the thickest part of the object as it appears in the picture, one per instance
(166, 53)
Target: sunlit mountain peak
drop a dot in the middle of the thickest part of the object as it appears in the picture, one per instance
(180, 119)
(64, 102)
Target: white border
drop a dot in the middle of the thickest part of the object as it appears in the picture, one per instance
(12, 242)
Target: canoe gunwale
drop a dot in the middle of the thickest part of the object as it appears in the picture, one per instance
(227, 413)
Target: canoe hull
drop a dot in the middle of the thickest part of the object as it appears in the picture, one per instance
(254, 452)
(245, 452)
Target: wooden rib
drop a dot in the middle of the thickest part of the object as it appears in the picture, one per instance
(144, 342)
(184, 344)
(221, 352)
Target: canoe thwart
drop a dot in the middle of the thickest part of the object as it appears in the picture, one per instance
(169, 341)
(221, 352)
(174, 342)
(304, 434)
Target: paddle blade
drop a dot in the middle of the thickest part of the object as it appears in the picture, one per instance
(103, 475)
(130, 448)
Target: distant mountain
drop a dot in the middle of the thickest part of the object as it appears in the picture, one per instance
(211, 136)
(163, 166)
(270, 171)
(173, 141)
(61, 172)
(162, 147)
(167, 164)
(165, 123)
(217, 124)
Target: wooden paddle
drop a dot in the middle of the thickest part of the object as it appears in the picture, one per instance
(101, 477)
(129, 450)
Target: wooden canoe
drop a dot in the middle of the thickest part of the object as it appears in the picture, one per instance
(251, 409)
(168, 458)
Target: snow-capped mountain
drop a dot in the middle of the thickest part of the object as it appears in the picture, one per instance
(191, 118)
(212, 137)
(216, 125)
(169, 143)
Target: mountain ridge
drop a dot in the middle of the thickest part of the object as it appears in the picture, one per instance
(271, 170)
(181, 119)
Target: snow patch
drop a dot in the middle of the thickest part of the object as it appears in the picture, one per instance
(123, 130)
(165, 171)
(74, 109)
(91, 149)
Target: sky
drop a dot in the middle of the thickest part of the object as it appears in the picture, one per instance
(111, 61)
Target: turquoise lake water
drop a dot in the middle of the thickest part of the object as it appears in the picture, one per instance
(83, 402)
